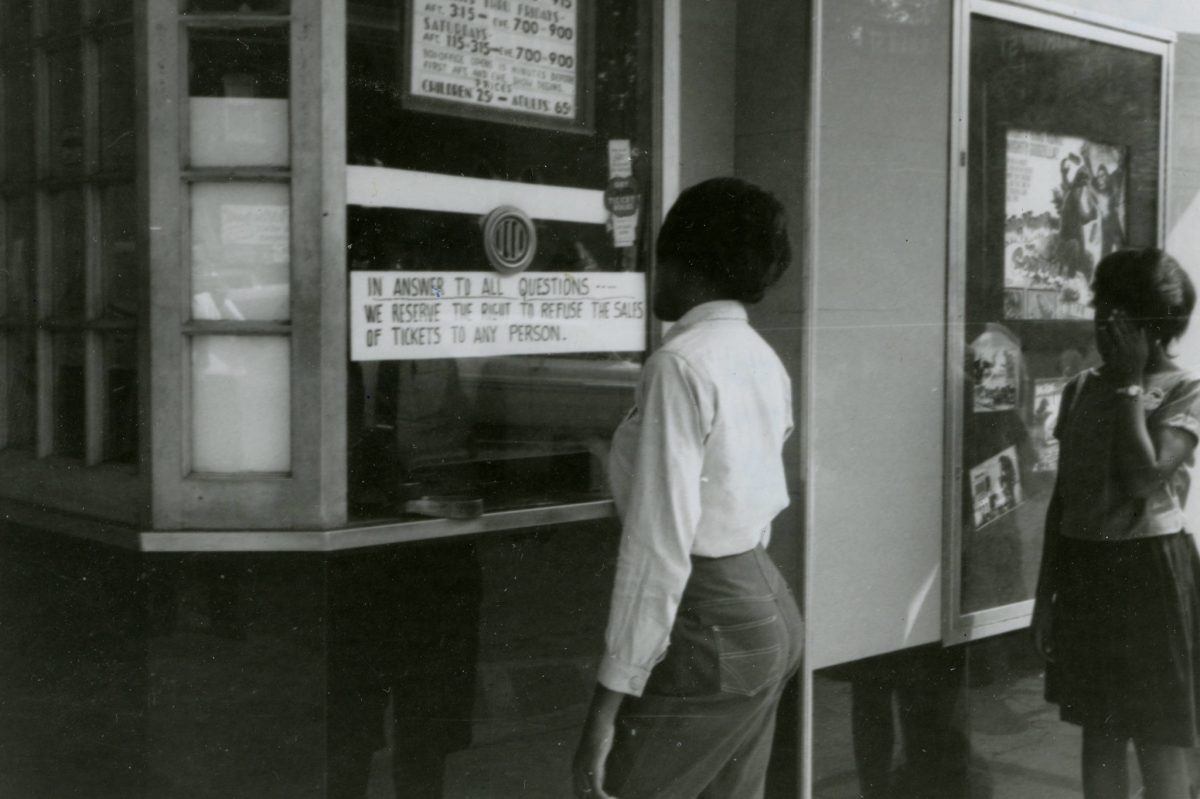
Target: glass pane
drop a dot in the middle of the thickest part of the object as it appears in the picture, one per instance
(21, 373)
(66, 254)
(66, 111)
(465, 401)
(112, 10)
(120, 398)
(17, 16)
(239, 97)
(20, 259)
(239, 6)
(240, 245)
(241, 404)
(477, 136)
(488, 695)
(117, 144)
(69, 398)
(63, 15)
(18, 121)
(934, 721)
(118, 252)
(514, 429)
(1064, 139)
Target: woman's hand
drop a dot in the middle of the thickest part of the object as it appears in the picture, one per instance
(595, 745)
(590, 759)
(1042, 629)
(1127, 350)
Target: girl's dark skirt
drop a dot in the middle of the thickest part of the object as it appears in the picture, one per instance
(1126, 638)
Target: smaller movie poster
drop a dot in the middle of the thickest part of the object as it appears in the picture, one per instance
(995, 364)
(1047, 398)
(1064, 211)
(995, 487)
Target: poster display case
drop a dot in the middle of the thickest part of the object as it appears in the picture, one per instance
(1059, 162)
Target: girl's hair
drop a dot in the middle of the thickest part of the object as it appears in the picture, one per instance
(1151, 286)
(731, 233)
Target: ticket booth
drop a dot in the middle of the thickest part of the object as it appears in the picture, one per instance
(315, 319)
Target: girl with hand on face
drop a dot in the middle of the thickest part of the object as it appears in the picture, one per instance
(1117, 611)
(703, 633)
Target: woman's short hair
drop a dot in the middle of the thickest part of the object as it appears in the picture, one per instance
(731, 233)
(1151, 286)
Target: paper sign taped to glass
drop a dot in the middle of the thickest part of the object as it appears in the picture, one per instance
(418, 315)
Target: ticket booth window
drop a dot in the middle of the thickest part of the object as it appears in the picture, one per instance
(239, 215)
(472, 376)
(68, 288)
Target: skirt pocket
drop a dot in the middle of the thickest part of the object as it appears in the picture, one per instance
(750, 655)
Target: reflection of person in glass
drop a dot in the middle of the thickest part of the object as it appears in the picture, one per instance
(703, 633)
(388, 645)
(1117, 611)
(917, 698)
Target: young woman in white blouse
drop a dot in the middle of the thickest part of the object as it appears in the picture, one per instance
(703, 632)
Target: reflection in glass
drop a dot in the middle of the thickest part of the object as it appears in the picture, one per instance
(66, 254)
(65, 148)
(238, 108)
(18, 120)
(63, 15)
(962, 722)
(20, 374)
(68, 435)
(118, 252)
(116, 103)
(397, 672)
(240, 250)
(18, 17)
(113, 10)
(20, 260)
(120, 398)
(241, 404)
(507, 628)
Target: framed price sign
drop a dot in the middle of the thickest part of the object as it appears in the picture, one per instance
(525, 62)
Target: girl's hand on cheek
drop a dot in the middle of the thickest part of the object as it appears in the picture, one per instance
(1128, 349)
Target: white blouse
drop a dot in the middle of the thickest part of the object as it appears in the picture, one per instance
(696, 468)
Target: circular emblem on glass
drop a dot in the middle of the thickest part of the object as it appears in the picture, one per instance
(509, 239)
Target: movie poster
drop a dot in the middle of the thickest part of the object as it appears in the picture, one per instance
(995, 487)
(1064, 211)
(1047, 398)
(995, 370)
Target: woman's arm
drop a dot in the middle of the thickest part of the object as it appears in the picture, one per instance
(654, 559)
(599, 731)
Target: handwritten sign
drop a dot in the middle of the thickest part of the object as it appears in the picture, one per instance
(415, 315)
(497, 58)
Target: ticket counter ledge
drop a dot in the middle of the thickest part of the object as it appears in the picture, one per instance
(334, 540)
